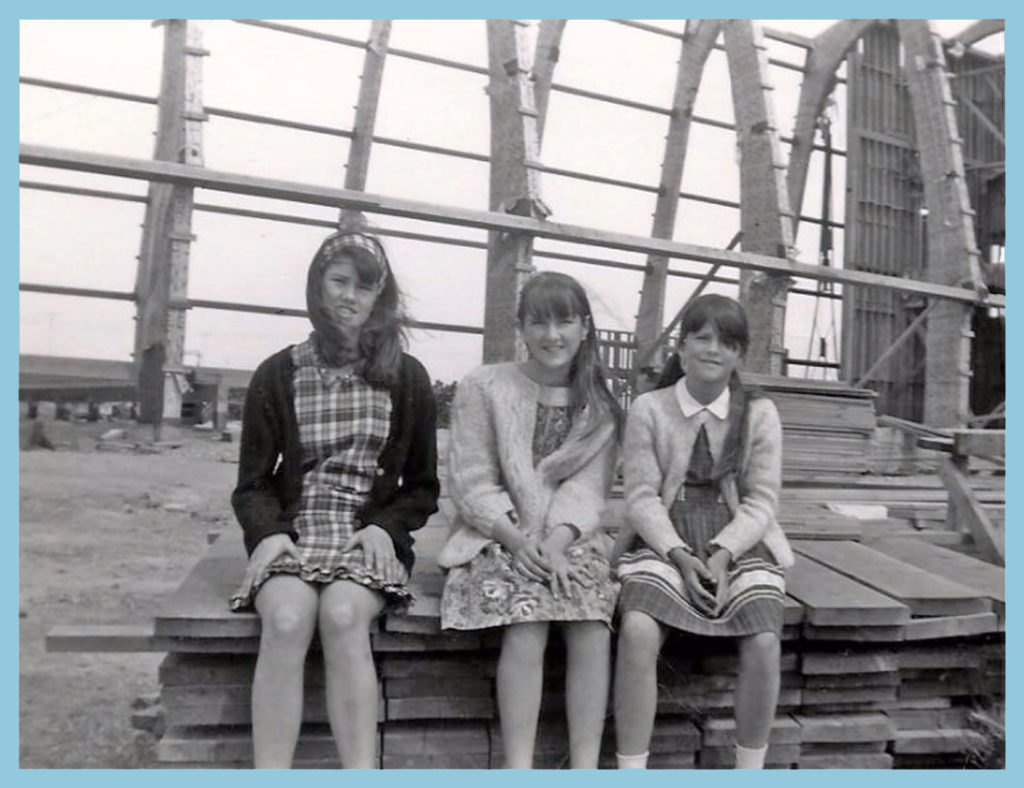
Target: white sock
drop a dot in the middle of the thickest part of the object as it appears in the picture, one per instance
(750, 757)
(632, 761)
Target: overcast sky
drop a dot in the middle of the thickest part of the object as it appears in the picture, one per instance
(81, 242)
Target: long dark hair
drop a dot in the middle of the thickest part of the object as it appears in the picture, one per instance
(729, 320)
(382, 337)
(553, 295)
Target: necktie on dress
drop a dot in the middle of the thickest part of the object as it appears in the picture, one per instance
(702, 464)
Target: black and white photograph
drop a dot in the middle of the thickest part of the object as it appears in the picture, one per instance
(512, 394)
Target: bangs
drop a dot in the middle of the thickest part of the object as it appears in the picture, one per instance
(549, 299)
(725, 314)
(367, 269)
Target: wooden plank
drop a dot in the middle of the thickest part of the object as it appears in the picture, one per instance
(419, 738)
(839, 728)
(725, 757)
(139, 638)
(924, 593)
(833, 681)
(881, 760)
(720, 731)
(987, 579)
(832, 599)
(984, 443)
(434, 686)
(849, 661)
(965, 509)
(199, 606)
(859, 634)
(951, 626)
(937, 740)
(830, 696)
(205, 745)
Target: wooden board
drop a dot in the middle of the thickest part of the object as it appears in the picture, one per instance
(720, 732)
(861, 634)
(838, 728)
(832, 599)
(199, 606)
(924, 593)
(937, 740)
(864, 760)
(849, 661)
(987, 579)
(951, 626)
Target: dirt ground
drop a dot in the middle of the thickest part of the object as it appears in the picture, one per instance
(104, 536)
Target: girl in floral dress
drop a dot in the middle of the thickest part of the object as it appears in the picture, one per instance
(533, 449)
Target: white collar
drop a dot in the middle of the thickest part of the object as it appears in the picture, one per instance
(719, 407)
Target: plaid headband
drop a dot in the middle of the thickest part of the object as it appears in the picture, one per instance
(348, 242)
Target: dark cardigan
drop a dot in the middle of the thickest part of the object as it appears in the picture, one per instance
(404, 493)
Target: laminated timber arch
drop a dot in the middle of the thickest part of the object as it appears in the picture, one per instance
(766, 219)
(952, 248)
(698, 40)
(976, 31)
(827, 52)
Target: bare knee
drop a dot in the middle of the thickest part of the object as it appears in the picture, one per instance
(639, 637)
(763, 648)
(344, 620)
(287, 627)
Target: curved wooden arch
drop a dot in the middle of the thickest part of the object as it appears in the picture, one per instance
(765, 213)
(549, 40)
(828, 50)
(697, 44)
(953, 256)
(976, 31)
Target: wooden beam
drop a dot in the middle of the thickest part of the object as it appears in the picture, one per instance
(162, 273)
(766, 219)
(549, 39)
(696, 47)
(827, 52)
(909, 331)
(977, 30)
(366, 109)
(167, 172)
(953, 255)
(514, 187)
(967, 514)
(979, 443)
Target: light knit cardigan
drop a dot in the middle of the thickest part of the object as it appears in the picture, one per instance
(491, 471)
(656, 454)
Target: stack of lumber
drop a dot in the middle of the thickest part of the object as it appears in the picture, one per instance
(827, 426)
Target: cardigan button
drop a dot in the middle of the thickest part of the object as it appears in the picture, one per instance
(380, 471)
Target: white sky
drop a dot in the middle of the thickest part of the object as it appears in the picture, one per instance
(83, 242)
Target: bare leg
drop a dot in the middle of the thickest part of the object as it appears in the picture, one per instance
(346, 611)
(287, 608)
(636, 681)
(757, 688)
(520, 679)
(588, 646)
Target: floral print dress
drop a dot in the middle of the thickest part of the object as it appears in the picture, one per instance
(490, 592)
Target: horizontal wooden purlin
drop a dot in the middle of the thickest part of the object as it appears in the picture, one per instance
(201, 303)
(351, 42)
(272, 121)
(90, 91)
(170, 172)
(80, 192)
(252, 117)
(84, 292)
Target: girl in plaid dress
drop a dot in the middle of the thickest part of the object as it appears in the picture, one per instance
(533, 449)
(701, 551)
(337, 466)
